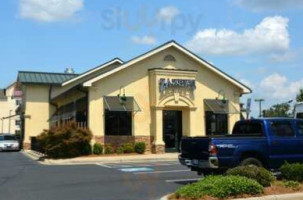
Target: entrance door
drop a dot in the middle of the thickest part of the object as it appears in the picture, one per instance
(172, 129)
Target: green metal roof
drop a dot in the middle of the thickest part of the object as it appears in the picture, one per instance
(44, 77)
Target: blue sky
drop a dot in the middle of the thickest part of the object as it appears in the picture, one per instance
(258, 42)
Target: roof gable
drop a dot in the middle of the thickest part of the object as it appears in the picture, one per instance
(167, 45)
(91, 71)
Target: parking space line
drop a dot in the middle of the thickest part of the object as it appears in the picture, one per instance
(161, 172)
(182, 180)
(102, 165)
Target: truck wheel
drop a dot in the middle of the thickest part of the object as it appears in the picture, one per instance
(251, 161)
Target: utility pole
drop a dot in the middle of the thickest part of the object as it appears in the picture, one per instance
(260, 105)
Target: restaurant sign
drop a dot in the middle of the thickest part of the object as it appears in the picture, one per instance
(176, 83)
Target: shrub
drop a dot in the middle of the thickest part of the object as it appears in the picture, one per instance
(220, 187)
(128, 148)
(292, 172)
(261, 175)
(66, 141)
(108, 149)
(120, 150)
(140, 147)
(87, 149)
(292, 184)
(98, 148)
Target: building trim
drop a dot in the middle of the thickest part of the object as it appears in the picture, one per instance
(115, 60)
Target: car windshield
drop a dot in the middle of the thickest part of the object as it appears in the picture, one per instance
(7, 137)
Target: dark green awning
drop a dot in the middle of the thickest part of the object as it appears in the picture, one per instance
(220, 107)
(115, 103)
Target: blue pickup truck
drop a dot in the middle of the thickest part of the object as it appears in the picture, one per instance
(267, 142)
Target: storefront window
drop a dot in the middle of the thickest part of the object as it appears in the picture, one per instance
(118, 123)
(216, 124)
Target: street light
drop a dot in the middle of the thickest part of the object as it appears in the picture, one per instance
(260, 105)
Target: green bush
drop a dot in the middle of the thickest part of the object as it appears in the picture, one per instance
(87, 149)
(220, 187)
(98, 149)
(66, 141)
(108, 149)
(140, 147)
(128, 148)
(292, 184)
(292, 172)
(261, 175)
(120, 150)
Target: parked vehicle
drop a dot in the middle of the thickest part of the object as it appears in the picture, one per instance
(299, 110)
(9, 142)
(266, 142)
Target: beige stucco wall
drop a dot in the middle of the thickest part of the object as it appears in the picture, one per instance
(37, 110)
(8, 108)
(136, 81)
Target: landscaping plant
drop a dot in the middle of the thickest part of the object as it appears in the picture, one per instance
(292, 172)
(263, 176)
(98, 149)
(140, 147)
(120, 150)
(108, 149)
(295, 185)
(220, 187)
(66, 141)
(128, 148)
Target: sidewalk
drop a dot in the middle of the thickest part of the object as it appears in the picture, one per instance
(104, 159)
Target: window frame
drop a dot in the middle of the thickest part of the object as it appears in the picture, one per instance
(284, 136)
(119, 131)
(210, 113)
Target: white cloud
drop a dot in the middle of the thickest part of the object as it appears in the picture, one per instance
(261, 5)
(277, 86)
(49, 10)
(287, 56)
(168, 13)
(147, 40)
(269, 36)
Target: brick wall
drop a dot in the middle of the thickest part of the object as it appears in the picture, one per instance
(116, 141)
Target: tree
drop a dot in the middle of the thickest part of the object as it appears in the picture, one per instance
(278, 110)
(299, 97)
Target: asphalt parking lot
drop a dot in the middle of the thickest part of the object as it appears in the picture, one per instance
(23, 178)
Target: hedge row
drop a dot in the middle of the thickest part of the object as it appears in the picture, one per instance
(138, 147)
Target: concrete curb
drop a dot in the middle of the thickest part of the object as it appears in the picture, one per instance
(106, 160)
(101, 160)
(34, 155)
(291, 196)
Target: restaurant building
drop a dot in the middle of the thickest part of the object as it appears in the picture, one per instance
(156, 98)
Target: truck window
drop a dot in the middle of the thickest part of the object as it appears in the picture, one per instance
(248, 128)
(300, 127)
(282, 129)
(299, 115)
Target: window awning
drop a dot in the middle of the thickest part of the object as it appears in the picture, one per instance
(115, 103)
(221, 107)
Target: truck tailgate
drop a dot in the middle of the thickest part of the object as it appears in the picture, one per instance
(195, 147)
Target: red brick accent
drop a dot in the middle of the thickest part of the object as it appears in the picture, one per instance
(116, 141)
(26, 145)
